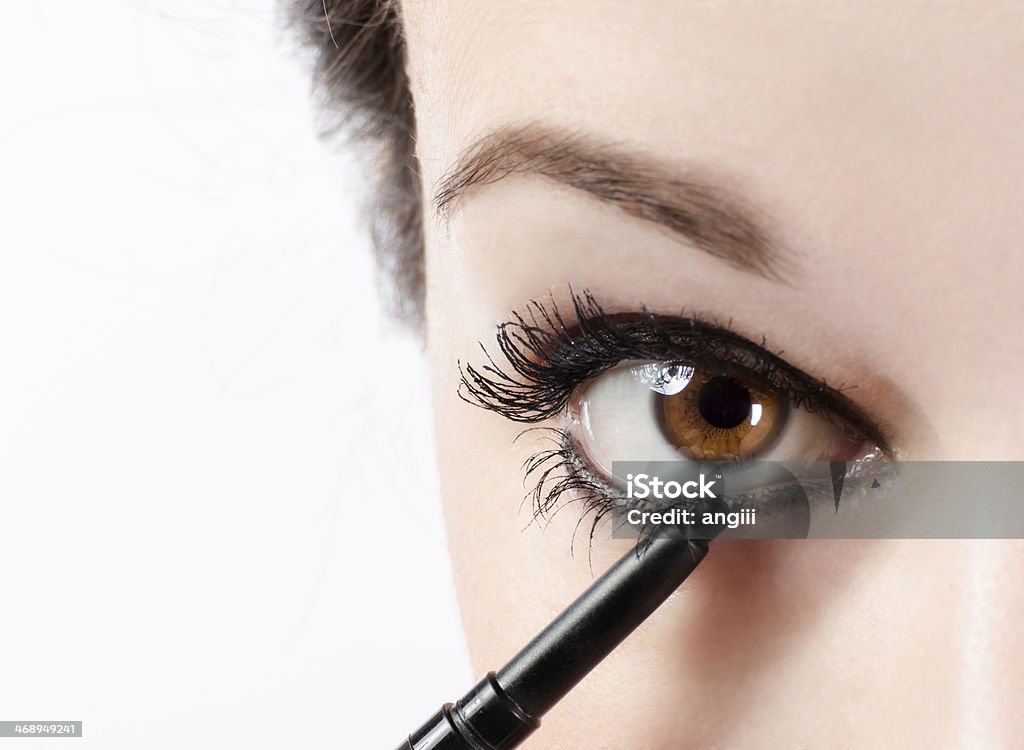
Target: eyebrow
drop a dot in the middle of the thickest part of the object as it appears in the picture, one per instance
(699, 211)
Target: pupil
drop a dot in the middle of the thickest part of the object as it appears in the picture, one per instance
(723, 402)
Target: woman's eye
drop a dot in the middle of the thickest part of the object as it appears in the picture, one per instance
(658, 411)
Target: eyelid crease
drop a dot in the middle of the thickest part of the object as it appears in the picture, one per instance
(548, 358)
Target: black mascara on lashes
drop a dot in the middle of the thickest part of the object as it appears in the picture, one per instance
(548, 358)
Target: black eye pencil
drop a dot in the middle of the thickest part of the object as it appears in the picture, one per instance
(504, 708)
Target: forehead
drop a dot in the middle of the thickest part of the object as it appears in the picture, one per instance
(810, 94)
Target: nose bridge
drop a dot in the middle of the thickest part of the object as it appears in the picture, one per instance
(988, 607)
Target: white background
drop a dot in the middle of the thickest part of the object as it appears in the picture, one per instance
(198, 397)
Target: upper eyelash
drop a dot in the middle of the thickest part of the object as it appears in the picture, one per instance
(548, 359)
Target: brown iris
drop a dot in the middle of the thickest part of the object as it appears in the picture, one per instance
(721, 417)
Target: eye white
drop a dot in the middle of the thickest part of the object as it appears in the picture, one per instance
(616, 416)
(616, 419)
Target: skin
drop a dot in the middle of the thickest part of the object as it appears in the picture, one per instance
(885, 141)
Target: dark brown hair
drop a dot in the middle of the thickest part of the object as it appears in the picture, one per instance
(359, 66)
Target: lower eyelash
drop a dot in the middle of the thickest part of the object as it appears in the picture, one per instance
(561, 477)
